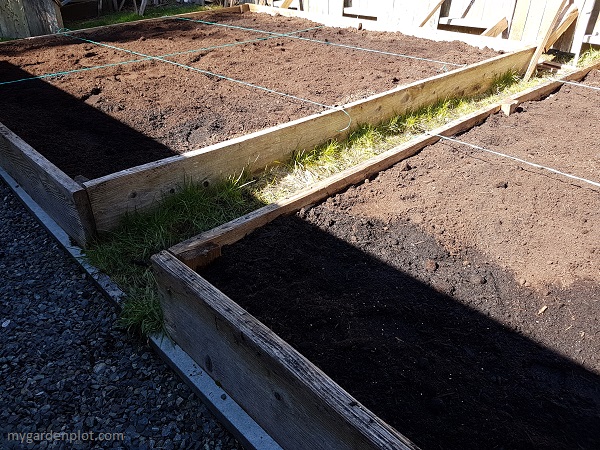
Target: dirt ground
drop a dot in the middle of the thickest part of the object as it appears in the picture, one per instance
(97, 122)
(456, 294)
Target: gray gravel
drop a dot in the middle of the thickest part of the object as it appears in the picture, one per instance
(65, 367)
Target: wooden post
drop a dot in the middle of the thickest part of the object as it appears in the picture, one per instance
(25, 18)
(542, 45)
(568, 19)
(580, 29)
(431, 13)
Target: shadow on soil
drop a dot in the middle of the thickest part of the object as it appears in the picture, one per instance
(75, 136)
(443, 373)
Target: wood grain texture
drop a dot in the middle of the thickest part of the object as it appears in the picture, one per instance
(548, 29)
(139, 188)
(43, 17)
(496, 29)
(13, 22)
(583, 20)
(517, 26)
(62, 198)
(290, 398)
(200, 250)
(569, 18)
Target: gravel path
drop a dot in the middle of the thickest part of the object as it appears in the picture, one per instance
(65, 367)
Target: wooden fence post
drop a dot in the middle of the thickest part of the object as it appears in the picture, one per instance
(24, 18)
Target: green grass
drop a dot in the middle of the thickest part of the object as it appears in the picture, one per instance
(130, 16)
(125, 253)
(590, 55)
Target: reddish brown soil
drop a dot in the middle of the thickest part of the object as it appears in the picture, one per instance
(97, 122)
(457, 294)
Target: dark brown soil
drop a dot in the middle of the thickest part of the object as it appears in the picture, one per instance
(97, 122)
(456, 294)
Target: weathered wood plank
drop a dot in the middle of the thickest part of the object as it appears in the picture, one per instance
(290, 398)
(583, 20)
(140, 187)
(62, 198)
(542, 44)
(202, 249)
(13, 22)
(517, 26)
(496, 29)
(537, 14)
(43, 17)
(569, 18)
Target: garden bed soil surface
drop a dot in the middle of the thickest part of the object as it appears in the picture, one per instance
(97, 122)
(456, 294)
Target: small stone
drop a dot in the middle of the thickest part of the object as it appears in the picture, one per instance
(405, 166)
(99, 368)
(501, 185)
(522, 281)
(431, 265)
(478, 279)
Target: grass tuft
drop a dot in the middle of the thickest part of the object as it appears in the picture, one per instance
(125, 253)
(141, 311)
(590, 55)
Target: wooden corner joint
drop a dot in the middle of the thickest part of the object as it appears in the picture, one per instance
(201, 256)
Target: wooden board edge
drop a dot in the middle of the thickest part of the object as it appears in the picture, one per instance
(547, 88)
(200, 250)
(62, 198)
(290, 398)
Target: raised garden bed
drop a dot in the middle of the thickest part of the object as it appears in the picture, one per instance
(454, 295)
(138, 130)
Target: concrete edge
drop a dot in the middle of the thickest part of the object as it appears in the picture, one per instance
(226, 410)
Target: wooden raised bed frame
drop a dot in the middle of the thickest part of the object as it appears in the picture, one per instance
(296, 403)
(97, 205)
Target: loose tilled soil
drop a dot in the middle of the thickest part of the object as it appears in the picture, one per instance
(97, 122)
(456, 294)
